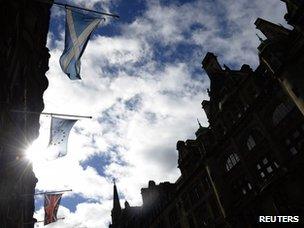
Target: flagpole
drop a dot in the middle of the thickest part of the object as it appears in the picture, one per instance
(55, 221)
(67, 115)
(25, 223)
(43, 193)
(51, 114)
(89, 10)
(77, 7)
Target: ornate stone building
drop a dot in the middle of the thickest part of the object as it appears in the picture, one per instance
(23, 62)
(249, 161)
(282, 52)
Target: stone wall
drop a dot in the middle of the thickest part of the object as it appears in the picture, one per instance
(23, 62)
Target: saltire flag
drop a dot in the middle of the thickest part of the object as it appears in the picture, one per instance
(51, 204)
(60, 130)
(78, 29)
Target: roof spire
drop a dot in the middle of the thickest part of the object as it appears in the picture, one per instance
(116, 203)
(116, 210)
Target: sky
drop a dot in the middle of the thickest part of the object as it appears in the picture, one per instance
(143, 84)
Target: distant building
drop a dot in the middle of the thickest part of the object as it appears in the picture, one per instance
(127, 217)
(249, 161)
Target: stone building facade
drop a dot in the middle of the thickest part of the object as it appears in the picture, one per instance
(23, 61)
(249, 161)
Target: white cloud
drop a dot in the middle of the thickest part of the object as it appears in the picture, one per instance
(142, 101)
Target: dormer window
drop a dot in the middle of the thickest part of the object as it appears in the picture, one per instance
(232, 160)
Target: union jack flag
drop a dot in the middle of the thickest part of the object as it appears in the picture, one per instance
(51, 204)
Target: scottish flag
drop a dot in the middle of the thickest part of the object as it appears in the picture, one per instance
(78, 29)
(60, 130)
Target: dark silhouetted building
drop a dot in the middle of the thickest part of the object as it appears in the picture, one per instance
(128, 217)
(249, 161)
(23, 61)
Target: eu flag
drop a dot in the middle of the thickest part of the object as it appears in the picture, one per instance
(78, 29)
(60, 130)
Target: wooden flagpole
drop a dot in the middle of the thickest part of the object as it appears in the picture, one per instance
(51, 114)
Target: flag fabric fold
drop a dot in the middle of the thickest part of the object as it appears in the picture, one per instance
(60, 130)
(78, 29)
(51, 204)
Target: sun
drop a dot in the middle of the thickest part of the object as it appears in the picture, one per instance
(35, 152)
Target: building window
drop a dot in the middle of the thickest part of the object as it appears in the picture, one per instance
(295, 140)
(281, 112)
(246, 187)
(249, 186)
(254, 138)
(266, 167)
(241, 187)
(250, 142)
(232, 160)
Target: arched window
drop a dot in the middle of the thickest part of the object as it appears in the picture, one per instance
(281, 112)
(232, 160)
